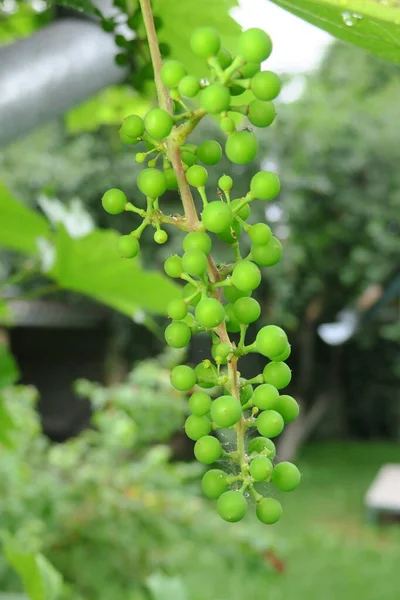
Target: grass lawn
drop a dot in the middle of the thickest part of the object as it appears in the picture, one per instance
(329, 550)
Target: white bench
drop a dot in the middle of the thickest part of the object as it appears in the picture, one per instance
(383, 496)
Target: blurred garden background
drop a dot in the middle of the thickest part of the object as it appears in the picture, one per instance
(99, 494)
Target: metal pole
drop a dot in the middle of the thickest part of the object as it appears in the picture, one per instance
(55, 69)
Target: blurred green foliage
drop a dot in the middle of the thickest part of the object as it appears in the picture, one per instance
(109, 509)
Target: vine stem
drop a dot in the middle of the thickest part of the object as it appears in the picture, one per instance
(174, 155)
(164, 100)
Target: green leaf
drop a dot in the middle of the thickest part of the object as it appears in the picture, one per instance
(370, 24)
(4, 312)
(7, 425)
(80, 5)
(181, 18)
(19, 225)
(91, 265)
(41, 580)
(109, 107)
(163, 587)
(8, 368)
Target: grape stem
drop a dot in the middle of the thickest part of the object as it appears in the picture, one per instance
(174, 156)
(164, 100)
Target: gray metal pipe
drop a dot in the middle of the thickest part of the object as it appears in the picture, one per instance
(55, 69)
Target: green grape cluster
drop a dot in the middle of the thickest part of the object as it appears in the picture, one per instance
(217, 298)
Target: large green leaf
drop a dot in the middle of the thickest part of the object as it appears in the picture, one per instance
(8, 368)
(92, 266)
(181, 18)
(19, 225)
(371, 24)
(7, 425)
(41, 580)
(9, 374)
(108, 107)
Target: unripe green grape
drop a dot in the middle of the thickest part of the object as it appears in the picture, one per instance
(261, 468)
(244, 212)
(205, 42)
(188, 154)
(286, 476)
(249, 69)
(271, 341)
(140, 157)
(232, 234)
(197, 176)
(224, 58)
(132, 126)
(128, 246)
(217, 216)
(151, 183)
(205, 376)
(226, 411)
(125, 139)
(267, 255)
(232, 506)
(177, 334)
(114, 201)
(225, 183)
(277, 374)
(247, 310)
(189, 86)
(177, 309)
(262, 445)
(188, 290)
(261, 114)
(220, 352)
(158, 123)
(232, 294)
(215, 98)
(209, 152)
(197, 427)
(269, 511)
(207, 450)
(170, 179)
(284, 355)
(160, 236)
(172, 72)
(173, 266)
(197, 240)
(246, 393)
(265, 185)
(254, 45)
(183, 378)
(200, 403)
(241, 147)
(232, 324)
(194, 262)
(209, 313)
(260, 234)
(227, 125)
(214, 483)
(246, 276)
(265, 85)
(270, 423)
(266, 396)
(288, 408)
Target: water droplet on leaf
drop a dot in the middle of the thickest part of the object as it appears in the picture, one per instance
(350, 19)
